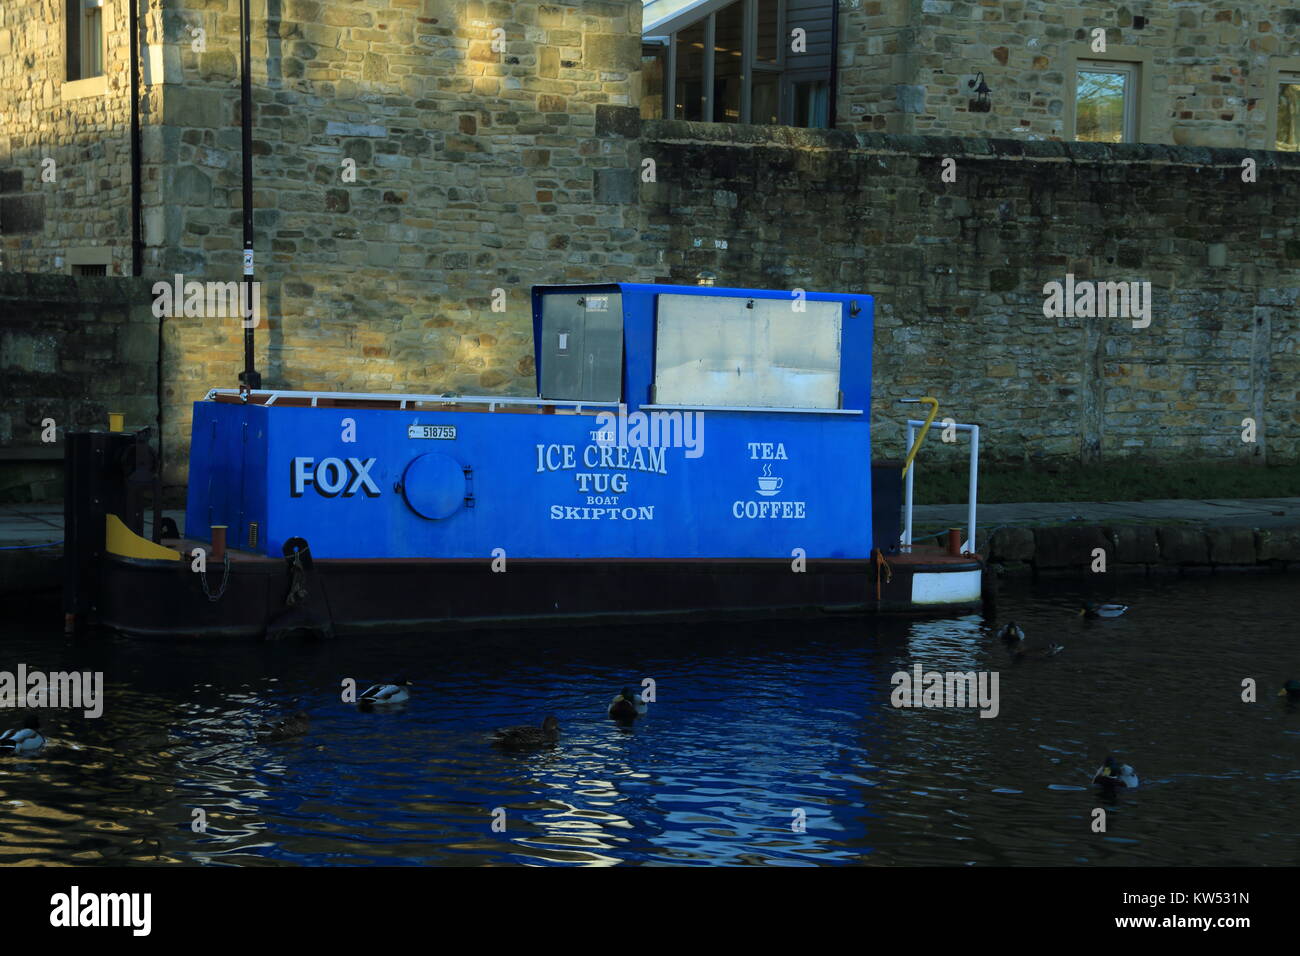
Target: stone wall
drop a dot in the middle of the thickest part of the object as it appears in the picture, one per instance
(477, 169)
(72, 349)
(1209, 68)
(958, 271)
(65, 152)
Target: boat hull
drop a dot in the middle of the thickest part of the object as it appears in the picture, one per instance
(154, 598)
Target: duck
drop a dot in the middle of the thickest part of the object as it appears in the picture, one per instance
(1291, 690)
(295, 726)
(25, 740)
(1011, 633)
(1022, 653)
(626, 706)
(520, 738)
(1111, 776)
(384, 695)
(1103, 610)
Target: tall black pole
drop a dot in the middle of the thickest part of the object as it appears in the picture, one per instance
(133, 27)
(249, 378)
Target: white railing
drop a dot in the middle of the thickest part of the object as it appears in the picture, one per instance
(912, 425)
(404, 399)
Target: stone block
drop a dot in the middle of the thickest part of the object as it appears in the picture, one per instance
(1231, 545)
(1136, 544)
(1069, 547)
(1011, 544)
(1277, 544)
(1180, 545)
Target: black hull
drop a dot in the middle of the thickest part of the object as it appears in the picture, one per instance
(167, 599)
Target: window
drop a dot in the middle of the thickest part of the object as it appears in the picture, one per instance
(85, 38)
(689, 83)
(654, 57)
(735, 63)
(746, 352)
(1288, 112)
(728, 68)
(90, 261)
(1105, 102)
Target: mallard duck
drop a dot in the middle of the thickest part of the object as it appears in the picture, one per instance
(1103, 610)
(26, 740)
(295, 726)
(1011, 633)
(519, 738)
(1022, 653)
(626, 706)
(384, 695)
(1290, 689)
(1112, 775)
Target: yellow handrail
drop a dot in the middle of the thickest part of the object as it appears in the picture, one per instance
(934, 410)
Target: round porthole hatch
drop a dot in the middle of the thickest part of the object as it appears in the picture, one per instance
(434, 485)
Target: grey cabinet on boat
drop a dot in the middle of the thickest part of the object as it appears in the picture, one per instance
(582, 346)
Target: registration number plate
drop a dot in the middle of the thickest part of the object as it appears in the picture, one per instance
(431, 431)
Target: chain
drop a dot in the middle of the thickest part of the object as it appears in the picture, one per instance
(225, 579)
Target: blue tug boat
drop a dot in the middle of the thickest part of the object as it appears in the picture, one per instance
(691, 451)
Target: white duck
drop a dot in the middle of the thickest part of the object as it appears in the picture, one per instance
(26, 740)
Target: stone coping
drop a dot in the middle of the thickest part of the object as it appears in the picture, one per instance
(671, 132)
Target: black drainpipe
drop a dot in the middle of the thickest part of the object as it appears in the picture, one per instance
(137, 250)
(835, 63)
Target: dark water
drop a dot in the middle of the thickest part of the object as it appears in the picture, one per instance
(752, 722)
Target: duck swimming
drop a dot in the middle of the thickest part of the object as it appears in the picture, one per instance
(295, 726)
(1011, 633)
(1112, 776)
(1103, 610)
(384, 695)
(520, 738)
(25, 740)
(627, 706)
(1022, 653)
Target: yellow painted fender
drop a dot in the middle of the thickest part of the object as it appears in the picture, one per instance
(119, 539)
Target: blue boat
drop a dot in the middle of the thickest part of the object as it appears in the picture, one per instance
(691, 451)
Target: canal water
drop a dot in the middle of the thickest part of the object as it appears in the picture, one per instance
(768, 743)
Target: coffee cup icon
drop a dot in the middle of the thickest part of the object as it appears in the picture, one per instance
(769, 486)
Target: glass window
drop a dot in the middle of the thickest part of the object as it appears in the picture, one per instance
(1104, 104)
(653, 58)
(812, 100)
(724, 350)
(689, 92)
(1288, 114)
(769, 32)
(728, 72)
(766, 103)
(740, 77)
(92, 39)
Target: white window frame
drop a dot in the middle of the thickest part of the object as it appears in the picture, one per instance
(1132, 73)
(1283, 78)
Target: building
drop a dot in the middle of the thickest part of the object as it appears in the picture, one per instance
(420, 163)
